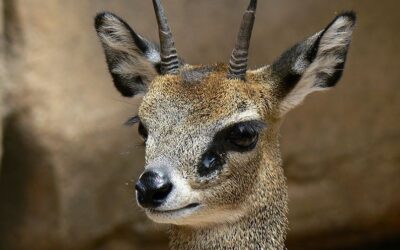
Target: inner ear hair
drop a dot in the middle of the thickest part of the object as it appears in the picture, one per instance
(132, 60)
(315, 64)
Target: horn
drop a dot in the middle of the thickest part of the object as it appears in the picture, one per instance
(239, 58)
(169, 58)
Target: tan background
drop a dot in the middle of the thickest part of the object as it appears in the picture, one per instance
(67, 163)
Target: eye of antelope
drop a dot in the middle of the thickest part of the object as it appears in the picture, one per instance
(240, 137)
(243, 136)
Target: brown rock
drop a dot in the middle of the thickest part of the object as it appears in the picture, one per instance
(2, 80)
(68, 161)
(67, 158)
(341, 149)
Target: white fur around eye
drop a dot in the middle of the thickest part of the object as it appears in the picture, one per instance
(248, 115)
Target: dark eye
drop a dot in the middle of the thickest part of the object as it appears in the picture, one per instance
(143, 131)
(243, 136)
(210, 163)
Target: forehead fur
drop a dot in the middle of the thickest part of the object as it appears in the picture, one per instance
(204, 95)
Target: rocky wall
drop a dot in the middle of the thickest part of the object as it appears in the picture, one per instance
(68, 163)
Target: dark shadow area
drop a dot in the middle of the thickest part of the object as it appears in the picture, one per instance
(28, 193)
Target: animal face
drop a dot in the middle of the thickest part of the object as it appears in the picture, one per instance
(203, 136)
(208, 129)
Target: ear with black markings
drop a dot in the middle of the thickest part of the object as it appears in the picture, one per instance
(132, 60)
(314, 64)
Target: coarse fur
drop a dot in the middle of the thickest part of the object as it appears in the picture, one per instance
(243, 204)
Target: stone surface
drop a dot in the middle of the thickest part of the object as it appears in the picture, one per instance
(341, 149)
(68, 163)
(2, 80)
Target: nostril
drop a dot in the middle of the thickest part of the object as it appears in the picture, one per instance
(139, 187)
(140, 192)
(162, 192)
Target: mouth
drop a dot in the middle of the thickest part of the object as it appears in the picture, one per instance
(179, 216)
(188, 208)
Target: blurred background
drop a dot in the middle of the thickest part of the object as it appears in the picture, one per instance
(67, 163)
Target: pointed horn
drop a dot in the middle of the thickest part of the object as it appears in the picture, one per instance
(239, 58)
(169, 58)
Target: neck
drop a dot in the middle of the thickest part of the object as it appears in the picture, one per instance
(263, 227)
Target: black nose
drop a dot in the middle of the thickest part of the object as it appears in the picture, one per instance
(152, 189)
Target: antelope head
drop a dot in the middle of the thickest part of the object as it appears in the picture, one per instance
(211, 131)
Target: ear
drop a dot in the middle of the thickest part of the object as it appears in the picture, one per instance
(314, 64)
(132, 60)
